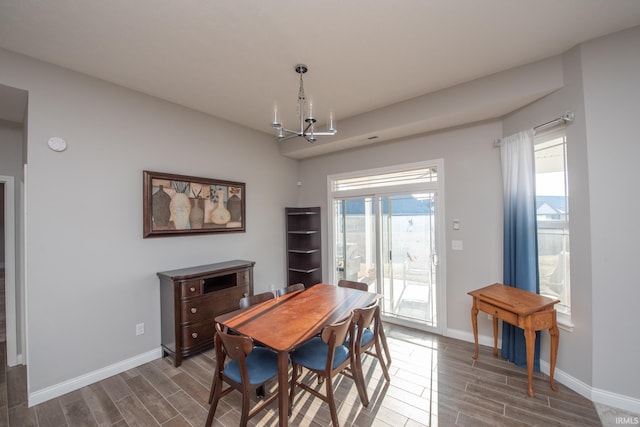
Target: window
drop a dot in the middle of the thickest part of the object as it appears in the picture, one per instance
(552, 213)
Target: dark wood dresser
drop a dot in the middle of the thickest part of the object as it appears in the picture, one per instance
(190, 299)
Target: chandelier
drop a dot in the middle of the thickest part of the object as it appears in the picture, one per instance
(305, 113)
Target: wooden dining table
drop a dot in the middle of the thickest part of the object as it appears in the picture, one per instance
(284, 323)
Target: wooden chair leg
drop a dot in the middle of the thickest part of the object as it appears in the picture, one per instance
(332, 403)
(358, 377)
(213, 386)
(383, 338)
(385, 371)
(216, 390)
(244, 418)
(292, 388)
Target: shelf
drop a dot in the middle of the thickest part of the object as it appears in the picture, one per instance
(303, 213)
(304, 251)
(304, 243)
(297, 270)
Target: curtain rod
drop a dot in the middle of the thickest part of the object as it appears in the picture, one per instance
(565, 118)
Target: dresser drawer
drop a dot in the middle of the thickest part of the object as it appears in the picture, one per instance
(244, 277)
(191, 288)
(210, 305)
(197, 335)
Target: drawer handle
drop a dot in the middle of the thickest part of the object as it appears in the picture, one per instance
(192, 289)
(194, 335)
(193, 310)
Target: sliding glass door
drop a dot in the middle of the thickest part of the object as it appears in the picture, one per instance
(388, 239)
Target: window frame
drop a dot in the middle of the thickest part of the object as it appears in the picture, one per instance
(563, 311)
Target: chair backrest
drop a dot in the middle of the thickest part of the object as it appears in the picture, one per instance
(248, 301)
(363, 318)
(353, 285)
(290, 288)
(236, 347)
(338, 331)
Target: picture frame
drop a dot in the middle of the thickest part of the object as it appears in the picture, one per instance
(178, 205)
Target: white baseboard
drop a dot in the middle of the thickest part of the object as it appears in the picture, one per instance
(468, 337)
(562, 377)
(56, 390)
(616, 400)
(19, 360)
(596, 395)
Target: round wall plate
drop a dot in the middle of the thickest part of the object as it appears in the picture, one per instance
(57, 144)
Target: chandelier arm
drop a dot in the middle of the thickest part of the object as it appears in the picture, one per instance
(325, 133)
(293, 135)
(295, 132)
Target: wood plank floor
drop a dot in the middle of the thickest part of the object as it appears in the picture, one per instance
(434, 382)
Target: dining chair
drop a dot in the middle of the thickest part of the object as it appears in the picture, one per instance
(378, 321)
(325, 356)
(249, 367)
(353, 285)
(289, 289)
(367, 336)
(248, 301)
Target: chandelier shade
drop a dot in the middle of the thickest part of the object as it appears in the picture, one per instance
(305, 114)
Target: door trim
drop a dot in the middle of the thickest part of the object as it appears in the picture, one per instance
(441, 303)
(10, 269)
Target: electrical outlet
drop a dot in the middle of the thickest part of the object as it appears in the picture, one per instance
(140, 329)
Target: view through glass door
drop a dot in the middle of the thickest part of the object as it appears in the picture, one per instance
(388, 239)
(410, 258)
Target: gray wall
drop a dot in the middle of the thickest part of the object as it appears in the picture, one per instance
(611, 76)
(91, 275)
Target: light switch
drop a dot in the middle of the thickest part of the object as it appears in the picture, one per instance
(456, 245)
(456, 224)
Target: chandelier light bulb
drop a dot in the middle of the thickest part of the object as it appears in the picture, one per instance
(275, 123)
(331, 127)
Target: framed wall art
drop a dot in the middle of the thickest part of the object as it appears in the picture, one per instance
(181, 204)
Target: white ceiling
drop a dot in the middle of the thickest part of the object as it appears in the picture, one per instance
(235, 59)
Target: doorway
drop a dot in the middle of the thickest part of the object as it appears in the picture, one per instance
(385, 232)
(9, 272)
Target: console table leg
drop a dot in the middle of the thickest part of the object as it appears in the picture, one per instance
(555, 339)
(495, 336)
(474, 323)
(530, 338)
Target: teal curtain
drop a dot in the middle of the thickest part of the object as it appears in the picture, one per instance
(520, 235)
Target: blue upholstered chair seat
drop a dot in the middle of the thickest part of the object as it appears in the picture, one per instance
(313, 354)
(262, 364)
(367, 337)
